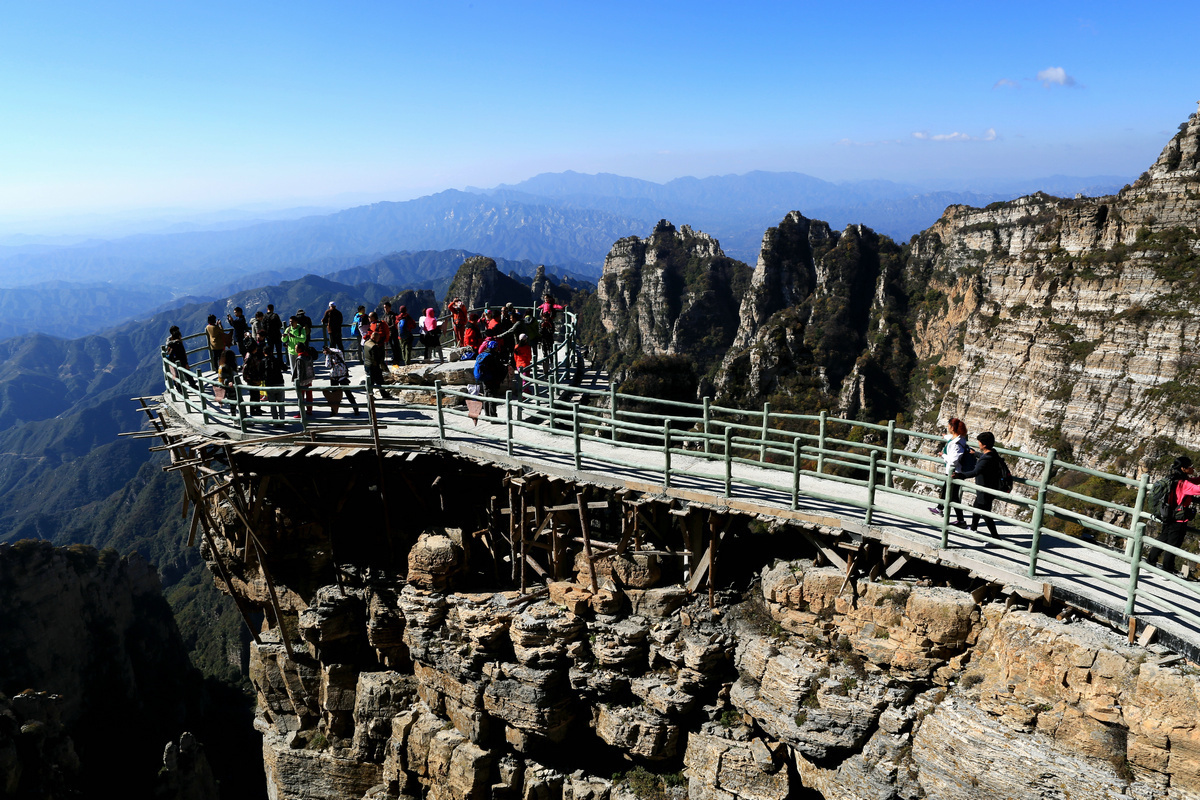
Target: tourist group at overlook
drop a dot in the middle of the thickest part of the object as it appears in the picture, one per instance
(502, 342)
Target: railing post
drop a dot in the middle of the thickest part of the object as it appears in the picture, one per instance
(1135, 564)
(612, 410)
(821, 443)
(871, 489)
(796, 472)
(946, 511)
(441, 417)
(508, 421)
(707, 447)
(575, 436)
(553, 385)
(241, 409)
(891, 453)
(728, 461)
(1039, 511)
(1138, 507)
(666, 454)
(762, 448)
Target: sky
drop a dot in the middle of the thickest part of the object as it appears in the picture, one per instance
(107, 108)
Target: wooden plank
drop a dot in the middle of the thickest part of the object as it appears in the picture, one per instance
(699, 573)
(1147, 635)
(896, 565)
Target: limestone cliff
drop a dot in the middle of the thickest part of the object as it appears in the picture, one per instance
(480, 283)
(820, 325)
(1068, 322)
(674, 292)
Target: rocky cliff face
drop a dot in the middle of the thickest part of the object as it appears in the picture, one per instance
(1068, 322)
(673, 292)
(93, 662)
(821, 323)
(881, 689)
(480, 283)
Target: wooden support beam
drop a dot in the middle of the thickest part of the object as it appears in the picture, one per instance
(587, 543)
(564, 507)
(825, 550)
(896, 566)
(535, 566)
(283, 637)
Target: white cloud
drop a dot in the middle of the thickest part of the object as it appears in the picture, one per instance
(1006, 82)
(988, 136)
(1055, 76)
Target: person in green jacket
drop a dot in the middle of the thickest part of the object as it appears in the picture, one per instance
(294, 337)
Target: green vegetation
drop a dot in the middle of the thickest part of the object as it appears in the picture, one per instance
(647, 785)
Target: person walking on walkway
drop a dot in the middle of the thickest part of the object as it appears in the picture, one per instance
(1178, 512)
(339, 374)
(987, 475)
(959, 458)
(373, 352)
(303, 374)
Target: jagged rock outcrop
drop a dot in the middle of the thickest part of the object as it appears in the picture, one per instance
(821, 325)
(94, 666)
(1068, 322)
(480, 283)
(674, 292)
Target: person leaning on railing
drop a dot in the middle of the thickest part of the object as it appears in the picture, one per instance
(175, 351)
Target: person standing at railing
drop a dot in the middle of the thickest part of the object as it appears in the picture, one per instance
(458, 318)
(306, 321)
(1177, 512)
(490, 372)
(376, 338)
(431, 336)
(406, 327)
(175, 351)
(273, 373)
(986, 473)
(358, 329)
(274, 327)
(339, 375)
(216, 342)
(333, 326)
(239, 326)
(959, 458)
(388, 317)
(227, 374)
(295, 336)
(472, 338)
(303, 375)
(254, 374)
(548, 310)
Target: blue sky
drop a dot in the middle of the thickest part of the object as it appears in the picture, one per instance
(105, 107)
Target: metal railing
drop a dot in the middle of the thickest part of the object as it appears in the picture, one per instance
(885, 460)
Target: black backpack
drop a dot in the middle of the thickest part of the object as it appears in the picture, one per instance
(1162, 499)
(1004, 480)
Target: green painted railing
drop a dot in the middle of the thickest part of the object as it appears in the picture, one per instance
(883, 459)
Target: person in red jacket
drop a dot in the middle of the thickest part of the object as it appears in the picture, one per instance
(458, 318)
(471, 336)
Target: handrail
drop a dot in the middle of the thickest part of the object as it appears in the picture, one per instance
(883, 458)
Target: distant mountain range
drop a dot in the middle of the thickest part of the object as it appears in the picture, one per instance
(567, 221)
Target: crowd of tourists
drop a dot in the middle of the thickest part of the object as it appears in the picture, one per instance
(271, 354)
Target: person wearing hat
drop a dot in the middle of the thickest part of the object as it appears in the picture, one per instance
(306, 321)
(332, 322)
(1175, 526)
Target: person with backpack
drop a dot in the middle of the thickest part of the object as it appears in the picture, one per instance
(358, 329)
(406, 326)
(339, 374)
(254, 374)
(1171, 501)
(989, 472)
(959, 458)
(273, 376)
(490, 372)
(377, 337)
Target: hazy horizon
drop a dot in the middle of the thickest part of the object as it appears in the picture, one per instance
(220, 106)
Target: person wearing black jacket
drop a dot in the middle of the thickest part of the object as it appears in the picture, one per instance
(986, 474)
(1184, 487)
(274, 331)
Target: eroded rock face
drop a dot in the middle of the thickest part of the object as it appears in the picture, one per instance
(1068, 321)
(672, 292)
(853, 689)
(479, 282)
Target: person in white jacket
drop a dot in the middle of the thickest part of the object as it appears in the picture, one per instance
(959, 458)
